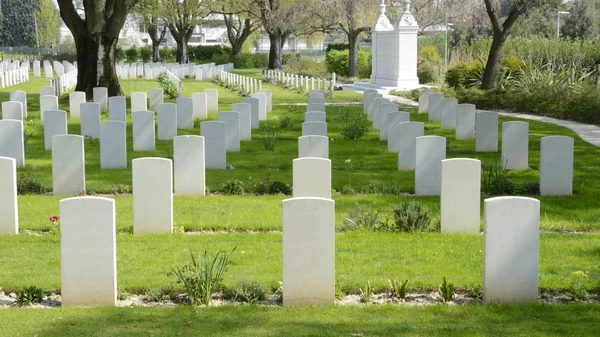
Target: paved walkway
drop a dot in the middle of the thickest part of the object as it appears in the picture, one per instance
(589, 133)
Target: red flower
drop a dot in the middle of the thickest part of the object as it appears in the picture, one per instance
(54, 218)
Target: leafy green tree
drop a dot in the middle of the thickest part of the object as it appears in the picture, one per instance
(182, 17)
(19, 23)
(48, 23)
(579, 24)
(150, 13)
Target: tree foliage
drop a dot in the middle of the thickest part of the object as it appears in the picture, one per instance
(48, 22)
(19, 23)
(182, 17)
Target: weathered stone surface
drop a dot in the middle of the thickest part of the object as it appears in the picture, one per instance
(556, 165)
(430, 151)
(407, 144)
(486, 131)
(68, 165)
(312, 177)
(515, 145)
(461, 194)
(215, 154)
(9, 221)
(152, 195)
(143, 131)
(188, 163)
(113, 145)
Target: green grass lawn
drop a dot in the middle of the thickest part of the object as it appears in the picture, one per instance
(385, 320)
(423, 258)
(371, 169)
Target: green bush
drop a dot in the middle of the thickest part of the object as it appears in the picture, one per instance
(119, 54)
(426, 72)
(279, 187)
(464, 75)
(246, 61)
(204, 54)
(411, 217)
(27, 185)
(220, 59)
(354, 125)
(337, 61)
(29, 295)
(337, 46)
(288, 58)
(170, 88)
(132, 55)
(364, 63)
(233, 187)
(146, 54)
(246, 291)
(362, 217)
(167, 54)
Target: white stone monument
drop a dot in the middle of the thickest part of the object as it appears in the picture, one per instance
(117, 108)
(139, 101)
(430, 151)
(461, 194)
(11, 141)
(448, 110)
(245, 111)
(76, 98)
(215, 154)
(486, 131)
(9, 221)
(167, 121)
(232, 130)
(90, 119)
(188, 165)
(407, 144)
(314, 129)
(143, 130)
(101, 97)
(88, 252)
(212, 100)
(55, 124)
(156, 97)
(393, 127)
(465, 122)
(315, 116)
(511, 249)
(152, 185)
(556, 165)
(312, 177)
(185, 113)
(384, 111)
(434, 103)
(199, 100)
(515, 145)
(20, 96)
(12, 110)
(313, 146)
(68, 165)
(113, 145)
(424, 100)
(254, 111)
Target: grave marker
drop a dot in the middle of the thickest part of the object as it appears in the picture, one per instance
(232, 130)
(314, 129)
(407, 144)
(448, 110)
(215, 154)
(12, 110)
(188, 162)
(461, 194)
(113, 145)
(435, 107)
(556, 165)
(465, 122)
(9, 221)
(313, 146)
(143, 131)
(515, 145)
(394, 120)
(76, 98)
(430, 151)
(424, 100)
(167, 121)
(55, 124)
(68, 165)
(486, 131)
(11, 141)
(312, 177)
(90, 120)
(152, 195)
(185, 113)
(117, 108)
(200, 106)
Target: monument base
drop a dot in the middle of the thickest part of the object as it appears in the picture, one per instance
(383, 89)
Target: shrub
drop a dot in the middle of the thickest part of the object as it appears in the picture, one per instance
(354, 125)
(167, 54)
(29, 295)
(247, 291)
(146, 54)
(119, 54)
(285, 121)
(464, 75)
(291, 57)
(429, 54)
(27, 185)
(242, 61)
(220, 59)
(132, 55)
(426, 72)
(233, 187)
(410, 217)
(364, 63)
(362, 217)
(169, 87)
(269, 139)
(337, 61)
(202, 275)
(206, 53)
(337, 46)
(260, 60)
(277, 187)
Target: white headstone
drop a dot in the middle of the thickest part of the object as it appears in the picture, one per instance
(113, 145)
(407, 144)
(465, 122)
(88, 252)
(185, 113)
(424, 100)
(262, 106)
(20, 96)
(515, 145)
(315, 107)
(377, 102)
(117, 108)
(215, 153)
(9, 221)
(448, 108)
(232, 130)
(47, 91)
(12, 110)
(245, 111)
(371, 98)
(167, 121)
(254, 111)
(48, 102)
(314, 129)
(156, 97)
(313, 146)
(461, 194)
(212, 100)
(314, 116)
(37, 71)
(393, 129)
(556, 165)
(269, 95)
(188, 162)
(312, 177)
(435, 107)
(200, 108)
(75, 100)
(90, 120)
(486, 131)
(367, 98)
(139, 101)
(152, 195)
(143, 131)
(308, 251)
(431, 150)
(101, 97)
(68, 165)
(511, 249)
(55, 123)
(384, 111)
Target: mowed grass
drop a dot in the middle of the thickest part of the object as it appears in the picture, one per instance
(371, 168)
(382, 320)
(422, 258)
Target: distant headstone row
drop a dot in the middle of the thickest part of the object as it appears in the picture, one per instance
(13, 73)
(152, 70)
(304, 83)
(247, 84)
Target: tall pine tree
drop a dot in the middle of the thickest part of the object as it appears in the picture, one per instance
(19, 24)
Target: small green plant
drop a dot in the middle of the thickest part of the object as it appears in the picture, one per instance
(159, 295)
(476, 291)
(120, 189)
(233, 187)
(26, 137)
(54, 224)
(168, 85)
(278, 186)
(29, 295)
(202, 276)
(411, 217)
(362, 217)
(285, 121)
(354, 125)
(577, 291)
(247, 291)
(494, 180)
(446, 290)
(365, 294)
(397, 289)
(269, 139)
(27, 185)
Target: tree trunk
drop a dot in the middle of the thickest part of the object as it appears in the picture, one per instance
(236, 48)
(275, 54)
(182, 51)
(353, 57)
(96, 64)
(493, 63)
(155, 51)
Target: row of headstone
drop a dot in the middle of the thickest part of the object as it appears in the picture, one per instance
(299, 82)
(248, 85)
(180, 71)
(65, 80)
(315, 118)
(13, 77)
